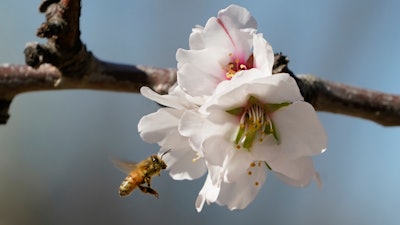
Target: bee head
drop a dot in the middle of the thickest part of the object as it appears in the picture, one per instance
(158, 162)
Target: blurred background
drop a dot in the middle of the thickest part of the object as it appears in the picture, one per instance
(55, 151)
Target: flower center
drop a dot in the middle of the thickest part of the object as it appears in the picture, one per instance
(236, 65)
(255, 122)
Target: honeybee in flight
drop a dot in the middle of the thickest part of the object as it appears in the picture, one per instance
(140, 174)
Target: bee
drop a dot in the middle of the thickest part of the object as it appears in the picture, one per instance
(140, 174)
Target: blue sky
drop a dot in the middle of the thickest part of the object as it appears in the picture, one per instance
(55, 151)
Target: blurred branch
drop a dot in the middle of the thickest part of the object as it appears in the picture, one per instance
(340, 98)
(64, 63)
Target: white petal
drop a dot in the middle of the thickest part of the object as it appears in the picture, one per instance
(215, 35)
(200, 71)
(300, 130)
(215, 150)
(268, 89)
(196, 41)
(176, 100)
(238, 17)
(296, 172)
(201, 198)
(191, 126)
(154, 127)
(182, 166)
(201, 68)
(198, 127)
(209, 193)
(266, 150)
(239, 194)
(238, 162)
(263, 54)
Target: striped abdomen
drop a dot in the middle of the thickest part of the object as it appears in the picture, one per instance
(129, 184)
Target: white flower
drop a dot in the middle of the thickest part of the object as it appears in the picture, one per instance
(162, 127)
(236, 195)
(255, 121)
(230, 117)
(240, 193)
(227, 44)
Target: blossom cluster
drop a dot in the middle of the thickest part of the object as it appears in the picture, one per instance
(229, 117)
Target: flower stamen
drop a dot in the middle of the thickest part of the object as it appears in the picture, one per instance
(198, 156)
(255, 122)
(252, 122)
(235, 65)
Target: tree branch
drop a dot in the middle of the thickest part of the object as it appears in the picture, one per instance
(64, 63)
(340, 98)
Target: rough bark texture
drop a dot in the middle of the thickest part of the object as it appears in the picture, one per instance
(64, 63)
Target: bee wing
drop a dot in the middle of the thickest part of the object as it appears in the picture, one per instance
(124, 166)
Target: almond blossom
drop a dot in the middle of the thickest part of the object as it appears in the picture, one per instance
(226, 44)
(254, 123)
(231, 118)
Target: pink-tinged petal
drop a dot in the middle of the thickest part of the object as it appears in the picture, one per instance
(239, 27)
(238, 43)
(215, 35)
(298, 172)
(201, 71)
(201, 63)
(240, 194)
(300, 130)
(154, 127)
(221, 41)
(263, 54)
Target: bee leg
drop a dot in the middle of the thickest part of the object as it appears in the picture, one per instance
(148, 190)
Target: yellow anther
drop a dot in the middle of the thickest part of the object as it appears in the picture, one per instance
(198, 156)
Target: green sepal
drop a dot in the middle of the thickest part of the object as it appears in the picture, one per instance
(272, 107)
(236, 111)
(275, 133)
(254, 100)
